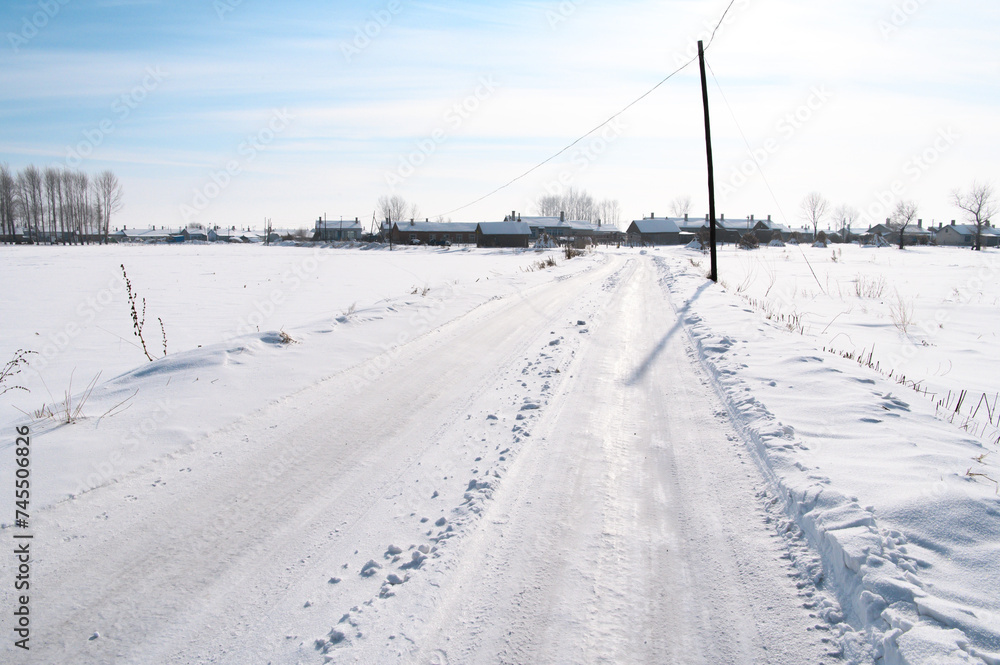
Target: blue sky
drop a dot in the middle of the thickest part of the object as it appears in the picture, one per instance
(231, 111)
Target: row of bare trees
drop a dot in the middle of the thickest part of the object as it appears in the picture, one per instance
(978, 204)
(579, 205)
(57, 205)
(396, 209)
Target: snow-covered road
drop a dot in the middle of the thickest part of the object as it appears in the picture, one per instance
(549, 478)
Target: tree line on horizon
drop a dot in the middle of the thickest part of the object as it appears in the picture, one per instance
(577, 205)
(57, 205)
(978, 205)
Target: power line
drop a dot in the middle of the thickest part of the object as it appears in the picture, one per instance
(603, 124)
(760, 167)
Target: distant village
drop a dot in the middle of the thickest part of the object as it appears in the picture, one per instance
(516, 231)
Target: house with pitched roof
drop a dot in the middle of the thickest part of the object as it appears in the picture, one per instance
(503, 234)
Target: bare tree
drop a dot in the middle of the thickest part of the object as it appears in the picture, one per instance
(52, 186)
(85, 211)
(31, 201)
(395, 209)
(903, 215)
(579, 205)
(7, 202)
(845, 216)
(979, 204)
(814, 208)
(575, 203)
(549, 205)
(68, 205)
(609, 212)
(108, 194)
(680, 206)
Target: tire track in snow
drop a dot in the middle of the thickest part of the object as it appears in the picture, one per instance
(598, 547)
(160, 578)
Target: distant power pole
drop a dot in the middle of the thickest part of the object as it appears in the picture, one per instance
(711, 169)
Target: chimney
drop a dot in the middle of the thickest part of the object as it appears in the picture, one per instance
(513, 215)
(562, 215)
(920, 223)
(953, 222)
(706, 216)
(939, 225)
(652, 215)
(411, 221)
(751, 218)
(769, 218)
(722, 217)
(685, 217)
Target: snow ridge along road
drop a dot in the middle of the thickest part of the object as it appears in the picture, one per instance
(547, 478)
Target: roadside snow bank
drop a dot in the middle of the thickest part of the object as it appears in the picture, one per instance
(909, 543)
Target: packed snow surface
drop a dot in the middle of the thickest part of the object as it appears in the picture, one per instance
(353, 455)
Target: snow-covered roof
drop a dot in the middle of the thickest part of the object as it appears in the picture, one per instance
(970, 229)
(771, 224)
(148, 233)
(570, 225)
(910, 230)
(504, 228)
(664, 225)
(435, 227)
(337, 225)
(541, 221)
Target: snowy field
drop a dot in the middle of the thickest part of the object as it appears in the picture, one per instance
(458, 456)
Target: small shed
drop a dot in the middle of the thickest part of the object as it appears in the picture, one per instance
(663, 231)
(503, 234)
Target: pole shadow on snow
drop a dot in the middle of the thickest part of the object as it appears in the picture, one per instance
(639, 372)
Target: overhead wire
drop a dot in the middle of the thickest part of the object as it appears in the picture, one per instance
(602, 124)
(760, 167)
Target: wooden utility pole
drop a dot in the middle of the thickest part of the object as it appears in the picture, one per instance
(711, 169)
